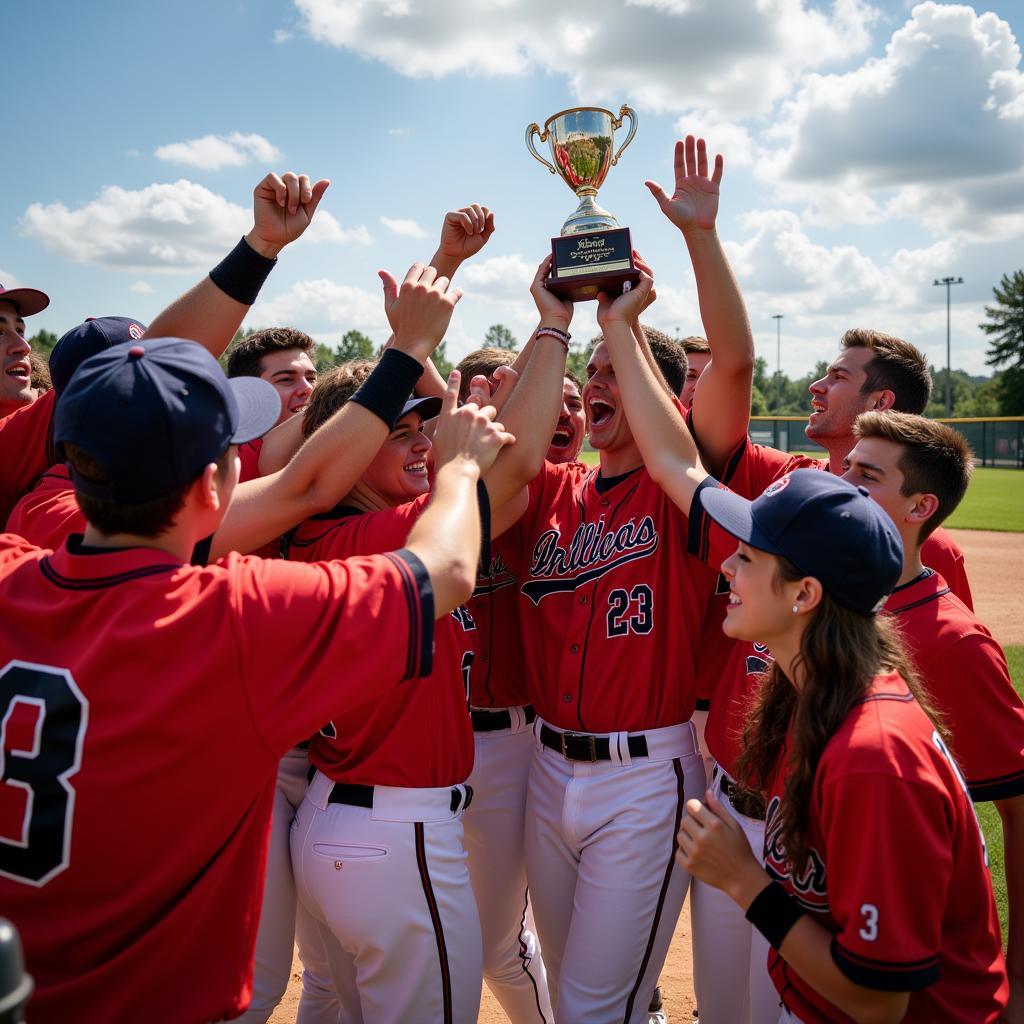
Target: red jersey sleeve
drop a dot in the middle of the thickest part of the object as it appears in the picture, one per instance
(368, 625)
(878, 827)
(941, 553)
(707, 541)
(971, 684)
(25, 443)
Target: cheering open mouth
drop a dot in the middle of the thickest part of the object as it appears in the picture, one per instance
(600, 412)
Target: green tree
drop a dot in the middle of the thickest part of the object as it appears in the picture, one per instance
(758, 404)
(43, 343)
(1005, 326)
(441, 361)
(499, 336)
(323, 356)
(353, 345)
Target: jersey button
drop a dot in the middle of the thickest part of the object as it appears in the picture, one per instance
(583, 598)
(604, 502)
(575, 649)
(567, 698)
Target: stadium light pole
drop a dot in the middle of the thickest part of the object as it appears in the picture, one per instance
(948, 282)
(777, 317)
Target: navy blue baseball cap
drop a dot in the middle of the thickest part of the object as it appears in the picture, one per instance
(154, 416)
(428, 407)
(94, 335)
(826, 527)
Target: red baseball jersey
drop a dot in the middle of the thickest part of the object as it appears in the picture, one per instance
(610, 602)
(49, 513)
(413, 736)
(144, 705)
(965, 672)
(498, 677)
(898, 869)
(25, 437)
(249, 460)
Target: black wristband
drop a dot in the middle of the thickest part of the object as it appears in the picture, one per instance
(240, 275)
(388, 388)
(773, 913)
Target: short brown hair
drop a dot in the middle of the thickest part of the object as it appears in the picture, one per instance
(246, 357)
(40, 378)
(936, 459)
(332, 391)
(481, 361)
(143, 519)
(695, 344)
(668, 354)
(896, 366)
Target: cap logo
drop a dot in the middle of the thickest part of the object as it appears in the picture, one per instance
(135, 332)
(777, 485)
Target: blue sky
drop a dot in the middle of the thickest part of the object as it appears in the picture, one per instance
(869, 149)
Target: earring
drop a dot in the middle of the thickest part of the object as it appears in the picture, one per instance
(796, 609)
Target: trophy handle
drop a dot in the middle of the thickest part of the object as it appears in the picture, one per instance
(624, 111)
(534, 129)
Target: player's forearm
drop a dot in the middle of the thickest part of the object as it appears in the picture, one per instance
(531, 415)
(446, 537)
(807, 948)
(1011, 814)
(721, 406)
(668, 449)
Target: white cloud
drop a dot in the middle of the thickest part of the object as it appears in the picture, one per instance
(400, 132)
(8, 280)
(404, 226)
(212, 152)
(174, 227)
(282, 35)
(732, 140)
(141, 288)
(933, 130)
(322, 306)
(733, 57)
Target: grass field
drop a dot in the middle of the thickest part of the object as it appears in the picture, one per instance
(989, 817)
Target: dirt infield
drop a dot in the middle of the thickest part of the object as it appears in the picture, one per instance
(995, 566)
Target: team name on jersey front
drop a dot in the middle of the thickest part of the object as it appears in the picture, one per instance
(595, 549)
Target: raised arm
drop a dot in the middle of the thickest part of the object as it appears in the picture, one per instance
(531, 413)
(446, 537)
(721, 405)
(667, 447)
(210, 313)
(327, 466)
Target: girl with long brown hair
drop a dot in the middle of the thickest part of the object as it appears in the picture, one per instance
(874, 893)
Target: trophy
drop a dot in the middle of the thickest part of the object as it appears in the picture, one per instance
(593, 253)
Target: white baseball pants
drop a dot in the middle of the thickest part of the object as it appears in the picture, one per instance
(390, 891)
(494, 823)
(282, 920)
(730, 956)
(600, 860)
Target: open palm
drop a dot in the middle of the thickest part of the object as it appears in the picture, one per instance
(694, 203)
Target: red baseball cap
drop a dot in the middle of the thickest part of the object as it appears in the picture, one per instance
(28, 300)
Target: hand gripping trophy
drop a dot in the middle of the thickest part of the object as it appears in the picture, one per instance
(593, 253)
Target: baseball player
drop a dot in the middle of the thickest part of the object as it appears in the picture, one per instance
(845, 746)
(16, 390)
(502, 720)
(918, 471)
(105, 718)
(698, 356)
(607, 591)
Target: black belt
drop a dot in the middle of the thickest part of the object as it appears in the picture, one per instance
(492, 721)
(362, 796)
(581, 746)
(745, 802)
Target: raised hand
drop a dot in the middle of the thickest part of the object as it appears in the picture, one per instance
(553, 310)
(694, 203)
(468, 433)
(282, 208)
(628, 306)
(420, 310)
(465, 232)
(497, 392)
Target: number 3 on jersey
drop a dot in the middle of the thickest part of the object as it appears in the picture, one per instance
(631, 611)
(43, 718)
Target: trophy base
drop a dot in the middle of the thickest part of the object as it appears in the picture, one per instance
(597, 261)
